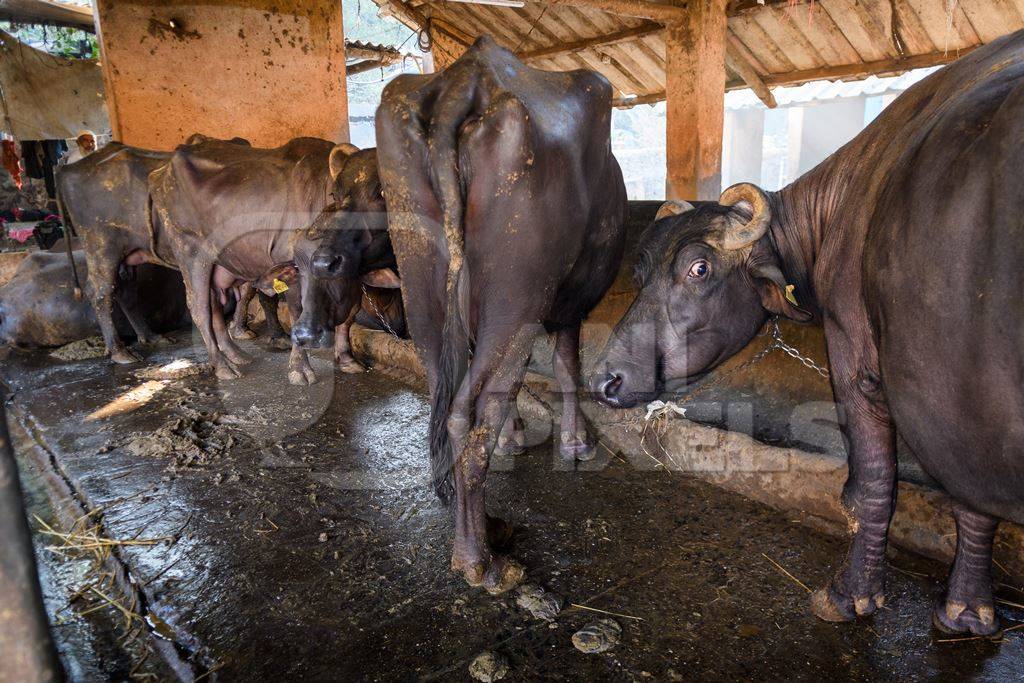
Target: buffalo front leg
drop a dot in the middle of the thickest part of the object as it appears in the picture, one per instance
(343, 357)
(278, 337)
(869, 497)
(197, 275)
(300, 372)
(239, 327)
(968, 606)
(575, 442)
(220, 332)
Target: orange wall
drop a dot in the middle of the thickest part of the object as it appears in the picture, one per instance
(265, 70)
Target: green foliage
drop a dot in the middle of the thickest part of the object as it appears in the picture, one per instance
(63, 42)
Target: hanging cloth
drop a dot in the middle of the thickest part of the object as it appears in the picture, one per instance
(11, 161)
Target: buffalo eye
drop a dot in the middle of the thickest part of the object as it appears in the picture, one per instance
(699, 270)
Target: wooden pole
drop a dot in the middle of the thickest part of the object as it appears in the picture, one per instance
(25, 641)
(695, 103)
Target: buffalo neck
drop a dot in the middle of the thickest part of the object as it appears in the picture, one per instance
(802, 214)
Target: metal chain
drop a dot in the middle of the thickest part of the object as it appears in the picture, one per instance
(376, 311)
(776, 343)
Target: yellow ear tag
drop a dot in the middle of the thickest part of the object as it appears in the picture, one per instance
(789, 294)
(279, 286)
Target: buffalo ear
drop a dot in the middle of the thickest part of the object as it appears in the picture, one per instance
(339, 155)
(771, 287)
(384, 278)
(285, 273)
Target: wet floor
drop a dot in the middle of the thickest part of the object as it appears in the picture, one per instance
(308, 545)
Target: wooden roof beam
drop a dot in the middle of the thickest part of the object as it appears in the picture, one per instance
(865, 69)
(737, 60)
(641, 9)
(626, 35)
(414, 18)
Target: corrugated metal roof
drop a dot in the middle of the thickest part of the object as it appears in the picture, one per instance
(782, 41)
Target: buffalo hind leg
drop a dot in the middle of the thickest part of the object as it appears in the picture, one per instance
(129, 306)
(968, 606)
(512, 439)
(239, 327)
(197, 275)
(479, 410)
(869, 496)
(226, 344)
(102, 284)
(575, 442)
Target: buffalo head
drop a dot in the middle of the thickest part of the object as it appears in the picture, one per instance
(351, 230)
(708, 282)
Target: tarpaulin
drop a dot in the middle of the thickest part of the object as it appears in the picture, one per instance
(48, 97)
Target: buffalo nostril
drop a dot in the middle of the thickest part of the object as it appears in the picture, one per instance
(324, 264)
(610, 385)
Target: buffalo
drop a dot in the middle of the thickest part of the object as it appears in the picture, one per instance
(38, 308)
(230, 213)
(507, 214)
(105, 199)
(346, 248)
(915, 273)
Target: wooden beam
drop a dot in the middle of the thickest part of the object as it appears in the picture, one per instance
(364, 66)
(416, 20)
(635, 33)
(630, 102)
(695, 106)
(738, 62)
(865, 69)
(738, 8)
(641, 9)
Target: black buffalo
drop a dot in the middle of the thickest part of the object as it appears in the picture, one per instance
(507, 211)
(907, 246)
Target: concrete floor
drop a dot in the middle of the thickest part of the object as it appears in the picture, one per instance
(308, 545)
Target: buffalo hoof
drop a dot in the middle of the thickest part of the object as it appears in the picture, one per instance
(243, 333)
(502, 575)
(237, 357)
(574, 448)
(301, 376)
(350, 366)
(828, 605)
(124, 356)
(956, 617)
(511, 441)
(227, 371)
(279, 344)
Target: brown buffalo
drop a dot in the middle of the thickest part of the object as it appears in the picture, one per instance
(906, 245)
(104, 198)
(507, 212)
(228, 213)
